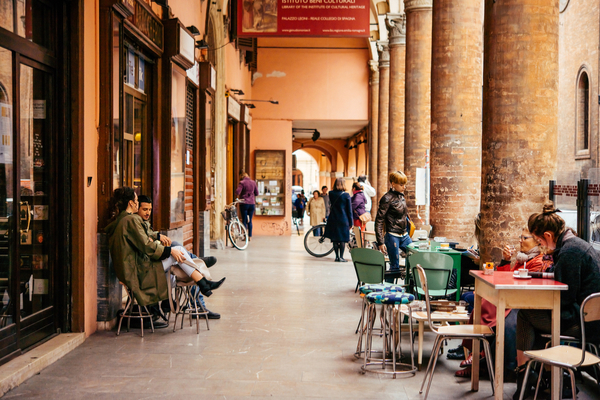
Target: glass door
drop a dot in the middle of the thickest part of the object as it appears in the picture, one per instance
(134, 141)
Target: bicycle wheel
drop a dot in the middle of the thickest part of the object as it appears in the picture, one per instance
(318, 246)
(237, 235)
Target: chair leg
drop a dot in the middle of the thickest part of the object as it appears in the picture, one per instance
(435, 358)
(141, 319)
(151, 322)
(429, 365)
(573, 387)
(486, 346)
(522, 394)
(127, 305)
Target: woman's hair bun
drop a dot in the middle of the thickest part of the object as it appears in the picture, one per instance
(549, 208)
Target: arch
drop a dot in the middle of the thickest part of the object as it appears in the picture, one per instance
(583, 113)
(4, 94)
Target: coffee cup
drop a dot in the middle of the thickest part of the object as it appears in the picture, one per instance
(460, 309)
(445, 246)
(523, 273)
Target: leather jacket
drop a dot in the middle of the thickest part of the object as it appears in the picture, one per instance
(391, 214)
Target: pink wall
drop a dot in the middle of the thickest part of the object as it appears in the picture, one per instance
(312, 84)
(237, 75)
(273, 135)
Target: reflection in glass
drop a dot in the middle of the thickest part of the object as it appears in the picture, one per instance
(6, 15)
(6, 183)
(34, 21)
(139, 115)
(34, 179)
(178, 98)
(116, 107)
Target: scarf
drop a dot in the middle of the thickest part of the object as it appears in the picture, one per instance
(522, 257)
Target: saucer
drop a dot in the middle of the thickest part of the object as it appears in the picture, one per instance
(522, 277)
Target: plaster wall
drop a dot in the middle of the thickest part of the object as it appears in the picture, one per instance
(578, 48)
(237, 75)
(91, 112)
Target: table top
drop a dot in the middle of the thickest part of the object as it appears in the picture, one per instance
(416, 249)
(436, 315)
(507, 280)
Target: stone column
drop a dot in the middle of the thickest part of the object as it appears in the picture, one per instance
(418, 100)
(520, 124)
(374, 122)
(396, 24)
(383, 125)
(456, 74)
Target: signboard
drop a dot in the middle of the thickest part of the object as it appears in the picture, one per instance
(186, 45)
(342, 18)
(233, 108)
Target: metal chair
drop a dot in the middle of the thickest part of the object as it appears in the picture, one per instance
(438, 268)
(568, 357)
(482, 332)
(187, 303)
(130, 312)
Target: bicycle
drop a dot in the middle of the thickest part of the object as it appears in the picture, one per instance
(320, 246)
(236, 231)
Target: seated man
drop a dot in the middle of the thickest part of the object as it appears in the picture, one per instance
(145, 211)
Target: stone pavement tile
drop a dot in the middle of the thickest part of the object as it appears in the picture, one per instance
(259, 374)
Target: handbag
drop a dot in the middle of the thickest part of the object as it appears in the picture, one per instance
(364, 218)
(410, 227)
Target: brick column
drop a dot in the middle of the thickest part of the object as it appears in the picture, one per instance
(396, 24)
(456, 70)
(520, 108)
(383, 124)
(374, 122)
(418, 100)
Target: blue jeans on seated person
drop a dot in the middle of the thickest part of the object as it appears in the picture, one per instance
(394, 244)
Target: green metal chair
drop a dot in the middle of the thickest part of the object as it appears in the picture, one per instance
(369, 265)
(438, 269)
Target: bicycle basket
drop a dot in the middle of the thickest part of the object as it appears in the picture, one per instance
(226, 214)
(233, 212)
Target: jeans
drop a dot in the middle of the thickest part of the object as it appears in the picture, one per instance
(317, 232)
(247, 212)
(394, 244)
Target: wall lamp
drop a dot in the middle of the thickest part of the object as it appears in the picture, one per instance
(262, 101)
(249, 105)
(201, 44)
(316, 134)
(193, 30)
(239, 92)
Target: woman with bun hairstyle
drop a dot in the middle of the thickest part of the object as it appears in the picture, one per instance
(577, 264)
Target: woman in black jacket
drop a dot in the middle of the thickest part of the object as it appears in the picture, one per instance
(340, 219)
(577, 264)
(392, 218)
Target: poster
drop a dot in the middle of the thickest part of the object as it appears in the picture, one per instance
(340, 18)
(6, 134)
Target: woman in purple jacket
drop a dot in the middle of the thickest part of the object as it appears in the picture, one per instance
(246, 191)
(359, 204)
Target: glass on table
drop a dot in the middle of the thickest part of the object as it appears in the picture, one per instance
(488, 268)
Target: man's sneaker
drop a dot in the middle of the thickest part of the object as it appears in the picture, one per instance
(211, 315)
(209, 261)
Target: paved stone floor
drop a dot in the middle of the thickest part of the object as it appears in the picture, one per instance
(287, 331)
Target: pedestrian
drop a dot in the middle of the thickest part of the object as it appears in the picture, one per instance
(359, 202)
(316, 210)
(300, 204)
(246, 191)
(325, 197)
(368, 190)
(392, 219)
(340, 219)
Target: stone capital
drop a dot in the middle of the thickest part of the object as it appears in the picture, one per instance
(396, 25)
(384, 54)
(374, 68)
(413, 5)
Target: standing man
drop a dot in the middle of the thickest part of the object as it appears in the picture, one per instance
(145, 211)
(368, 190)
(246, 191)
(325, 197)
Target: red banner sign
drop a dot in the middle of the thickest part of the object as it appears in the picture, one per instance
(257, 18)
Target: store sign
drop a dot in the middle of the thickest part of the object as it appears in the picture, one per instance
(233, 108)
(186, 45)
(194, 74)
(341, 18)
(148, 23)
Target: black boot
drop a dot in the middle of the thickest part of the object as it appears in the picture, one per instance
(337, 251)
(206, 287)
(209, 261)
(525, 383)
(215, 285)
(341, 246)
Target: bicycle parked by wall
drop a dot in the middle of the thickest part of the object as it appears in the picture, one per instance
(236, 231)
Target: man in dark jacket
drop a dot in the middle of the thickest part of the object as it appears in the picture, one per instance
(391, 215)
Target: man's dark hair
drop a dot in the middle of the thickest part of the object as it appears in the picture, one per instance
(144, 199)
(362, 178)
(324, 187)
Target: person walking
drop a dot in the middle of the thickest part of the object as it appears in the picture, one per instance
(340, 219)
(247, 191)
(325, 197)
(300, 204)
(316, 210)
(359, 202)
(392, 219)
(368, 190)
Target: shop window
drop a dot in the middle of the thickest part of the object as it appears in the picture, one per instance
(582, 136)
(178, 128)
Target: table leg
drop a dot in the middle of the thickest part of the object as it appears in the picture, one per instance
(475, 367)
(499, 370)
(420, 339)
(556, 375)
